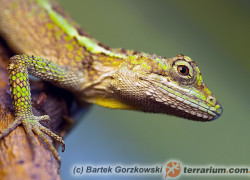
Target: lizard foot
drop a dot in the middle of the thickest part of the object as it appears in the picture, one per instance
(32, 126)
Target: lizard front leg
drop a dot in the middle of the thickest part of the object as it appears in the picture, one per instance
(19, 67)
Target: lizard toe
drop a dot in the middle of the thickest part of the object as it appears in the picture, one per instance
(10, 128)
(43, 118)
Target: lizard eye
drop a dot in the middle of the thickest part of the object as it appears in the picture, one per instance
(183, 70)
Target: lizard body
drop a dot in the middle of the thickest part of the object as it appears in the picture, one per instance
(60, 52)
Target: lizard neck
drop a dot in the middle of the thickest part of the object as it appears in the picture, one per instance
(98, 59)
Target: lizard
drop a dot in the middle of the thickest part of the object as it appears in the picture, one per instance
(52, 47)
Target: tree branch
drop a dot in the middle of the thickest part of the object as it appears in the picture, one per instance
(15, 151)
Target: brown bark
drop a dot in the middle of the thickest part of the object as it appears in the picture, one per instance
(15, 154)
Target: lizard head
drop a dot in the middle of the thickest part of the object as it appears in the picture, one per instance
(164, 85)
(151, 83)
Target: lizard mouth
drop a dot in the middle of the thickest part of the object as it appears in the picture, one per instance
(186, 105)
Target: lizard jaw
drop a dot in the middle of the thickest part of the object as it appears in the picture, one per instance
(182, 104)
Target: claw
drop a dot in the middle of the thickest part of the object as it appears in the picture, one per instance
(53, 135)
(48, 142)
(31, 125)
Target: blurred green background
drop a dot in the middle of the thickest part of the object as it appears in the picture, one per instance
(215, 33)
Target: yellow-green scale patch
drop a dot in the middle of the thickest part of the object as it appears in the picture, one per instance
(161, 63)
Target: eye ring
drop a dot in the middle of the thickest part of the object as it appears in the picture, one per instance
(183, 70)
